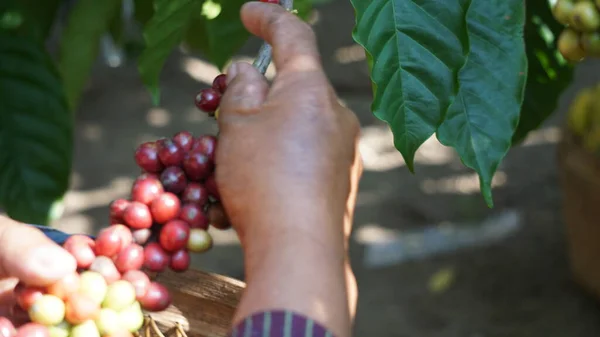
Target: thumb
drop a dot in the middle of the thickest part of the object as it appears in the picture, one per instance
(246, 91)
(27, 254)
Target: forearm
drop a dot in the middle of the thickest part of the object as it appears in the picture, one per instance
(296, 266)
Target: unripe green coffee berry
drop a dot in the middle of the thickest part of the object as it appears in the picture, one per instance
(85, 329)
(120, 295)
(47, 310)
(132, 318)
(93, 285)
(563, 11)
(585, 17)
(107, 322)
(590, 43)
(62, 329)
(569, 47)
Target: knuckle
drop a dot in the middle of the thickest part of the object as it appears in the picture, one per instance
(273, 23)
(304, 37)
(278, 23)
(291, 29)
(243, 91)
(281, 21)
(304, 30)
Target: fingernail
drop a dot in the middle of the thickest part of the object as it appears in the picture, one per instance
(232, 72)
(50, 261)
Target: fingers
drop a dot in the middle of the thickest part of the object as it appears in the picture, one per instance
(294, 43)
(7, 296)
(246, 91)
(27, 254)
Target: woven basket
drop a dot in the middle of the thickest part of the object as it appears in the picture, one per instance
(203, 306)
(580, 179)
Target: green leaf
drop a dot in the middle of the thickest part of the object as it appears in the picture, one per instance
(417, 48)
(482, 119)
(11, 20)
(457, 68)
(549, 74)
(28, 18)
(116, 27)
(370, 65)
(304, 8)
(143, 10)
(319, 2)
(226, 33)
(79, 46)
(35, 131)
(41, 14)
(217, 22)
(162, 33)
(196, 38)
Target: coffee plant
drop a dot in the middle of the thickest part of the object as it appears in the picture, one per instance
(479, 74)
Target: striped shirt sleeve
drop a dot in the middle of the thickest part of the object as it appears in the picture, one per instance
(279, 323)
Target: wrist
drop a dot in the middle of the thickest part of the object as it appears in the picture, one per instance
(266, 249)
(298, 263)
(292, 228)
(300, 275)
(272, 216)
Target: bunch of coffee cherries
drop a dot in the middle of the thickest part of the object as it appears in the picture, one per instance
(103, 298)
(173, 202)
(171, 206)
(581, 36)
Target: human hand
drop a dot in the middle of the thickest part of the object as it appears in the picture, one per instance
(289, 146)
(27, 255)
(287, 169)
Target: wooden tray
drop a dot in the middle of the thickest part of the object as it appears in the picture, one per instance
(580, 179)
(203, 305)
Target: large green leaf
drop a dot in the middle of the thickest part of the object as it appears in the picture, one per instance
(457, 68)
(35, 131)
(165, 30)
(549, 73)
(79, 45)
(417, 48)
(482, 119)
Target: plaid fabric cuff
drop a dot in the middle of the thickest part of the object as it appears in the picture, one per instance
(279, 323)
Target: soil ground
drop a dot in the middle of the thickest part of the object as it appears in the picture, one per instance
(515, 283)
